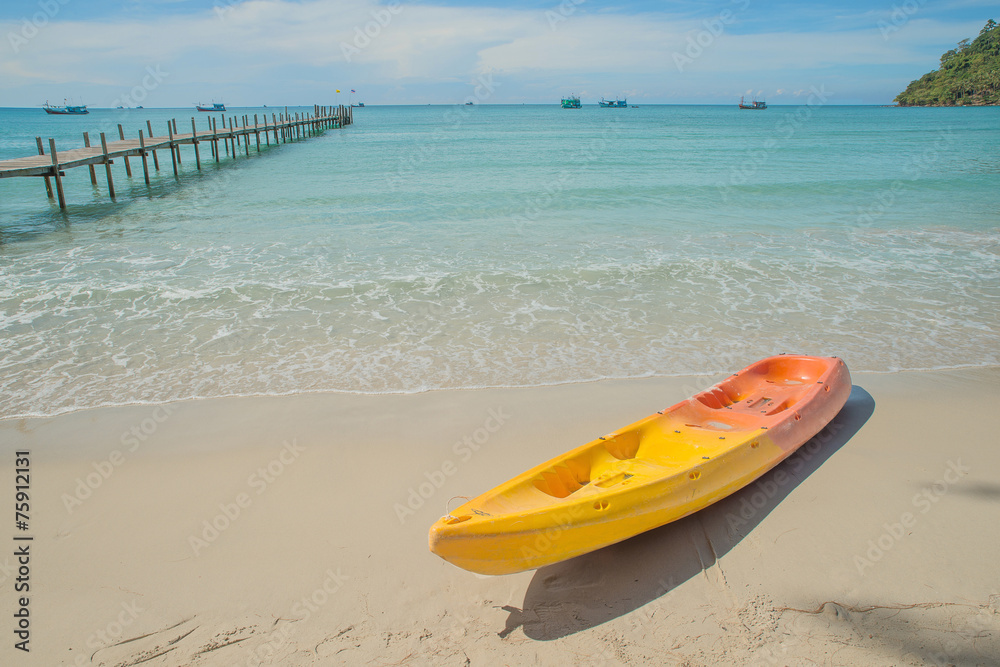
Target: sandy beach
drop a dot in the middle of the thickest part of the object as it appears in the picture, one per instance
(293, 531)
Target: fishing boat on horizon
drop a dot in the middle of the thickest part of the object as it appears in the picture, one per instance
(613, 104)
(571, 102)
(755, 104)
(216, 106)
(66, 109)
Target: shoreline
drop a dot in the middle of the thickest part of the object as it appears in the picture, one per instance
(293, 530)
(710, 376)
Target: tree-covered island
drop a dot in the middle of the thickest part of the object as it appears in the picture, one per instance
(969, 75)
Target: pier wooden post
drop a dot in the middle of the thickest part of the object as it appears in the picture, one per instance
(93, 174)
(107, 166)
(194, 140)
(225, 140)
(246, 135)
(256, 132)
(211, 144)
(55, 172)
(215, 137)
(177, 146)
(233, 138)
(173, 152)
(128, 168)
(274, 124)
(156, 160)
(48, 183)
(145, 162)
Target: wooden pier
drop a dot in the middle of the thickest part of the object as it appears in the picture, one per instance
(281, 127)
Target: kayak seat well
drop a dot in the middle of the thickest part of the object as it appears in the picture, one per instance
(768, 387)
(720, 396)
(564, 478)
(572, 474)
(622, 445)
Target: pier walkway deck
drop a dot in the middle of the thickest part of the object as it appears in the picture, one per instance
(282, 127)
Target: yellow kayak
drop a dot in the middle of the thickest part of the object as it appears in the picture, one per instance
(655, 471)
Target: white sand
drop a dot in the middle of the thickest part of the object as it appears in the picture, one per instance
(897, 505)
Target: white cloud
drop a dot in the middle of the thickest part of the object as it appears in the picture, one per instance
(251, 40)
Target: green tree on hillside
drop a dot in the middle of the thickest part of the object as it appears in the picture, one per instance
(969, 74)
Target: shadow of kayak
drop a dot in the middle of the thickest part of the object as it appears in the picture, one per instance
(584, 592)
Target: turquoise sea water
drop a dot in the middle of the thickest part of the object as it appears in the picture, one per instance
(442, 247)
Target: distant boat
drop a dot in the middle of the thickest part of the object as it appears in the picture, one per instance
(616, 104)
(66, 110)
(469, 104)
(216, 106)
(359, 104)
(571, 102)
(140, 107)
(753, 105)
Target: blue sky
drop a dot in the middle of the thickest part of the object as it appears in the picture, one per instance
(176, 52)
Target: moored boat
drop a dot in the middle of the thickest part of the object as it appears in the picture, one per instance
(66, 109)
(216, 106)
(571, 102)
(657, 470)
(755, 104)
(614, 104)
